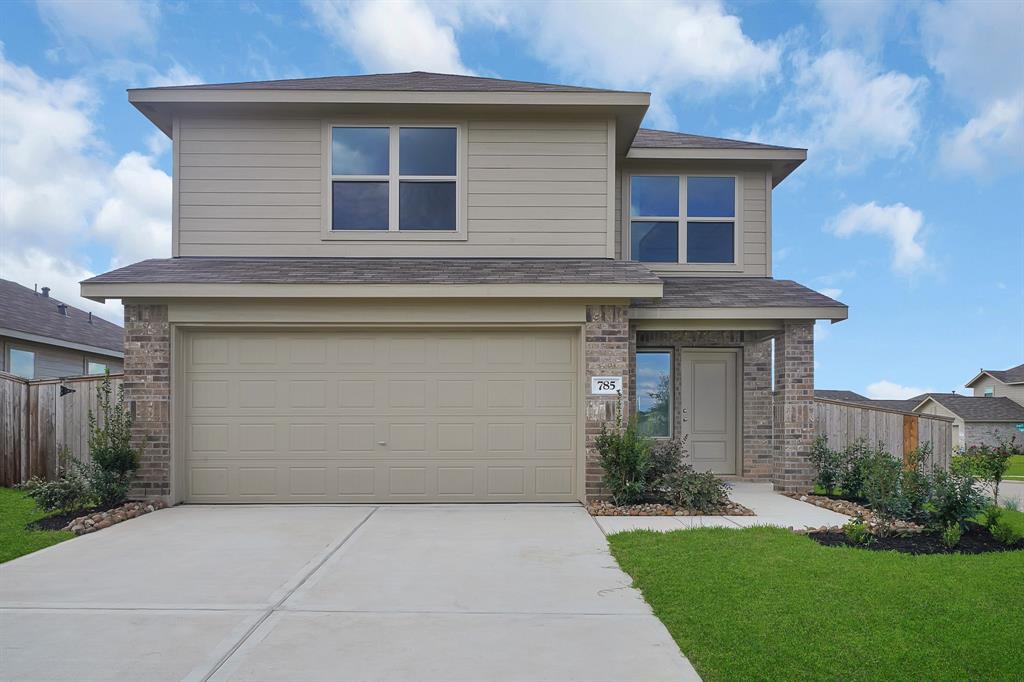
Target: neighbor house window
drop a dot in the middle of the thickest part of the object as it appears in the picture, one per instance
(22, 363)
(705, 206)
(394, 178)
(96, 367)
(989, 392)
(654, 392)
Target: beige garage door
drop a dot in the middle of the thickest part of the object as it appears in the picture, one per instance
(380, 416)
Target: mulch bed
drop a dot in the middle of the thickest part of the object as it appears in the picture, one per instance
(975, 540)
(604, 508)
(60, 521)
(853, 509)
(89, 520)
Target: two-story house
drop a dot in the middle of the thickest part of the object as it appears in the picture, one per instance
(424, 287)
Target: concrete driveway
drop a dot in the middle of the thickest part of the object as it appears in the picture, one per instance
(474, 592)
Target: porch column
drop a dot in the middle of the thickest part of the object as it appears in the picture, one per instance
(147, 390)
(606, 353)
(794, 406)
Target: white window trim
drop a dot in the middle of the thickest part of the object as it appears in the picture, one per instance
(393, 179)
(671, 384)
(683, 218)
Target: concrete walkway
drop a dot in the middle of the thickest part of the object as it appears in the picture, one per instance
(771, 508)
(1012, 490)
(418, 592)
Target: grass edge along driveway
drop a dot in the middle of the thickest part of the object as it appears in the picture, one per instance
(766, 603)
(16, 511)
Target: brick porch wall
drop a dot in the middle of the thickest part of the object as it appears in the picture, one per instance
(794, 406)
(147, 389)
(606, 342)
(757, 457)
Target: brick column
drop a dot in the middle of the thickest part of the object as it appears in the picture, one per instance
(758, 455)
(606, 353)
(794, 406)
(147, 389)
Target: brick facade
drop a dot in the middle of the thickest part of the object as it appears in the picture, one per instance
(147, 388)
(794, 406)
(606, 341)
(755, 358)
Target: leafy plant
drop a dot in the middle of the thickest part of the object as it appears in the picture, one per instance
(882, 486)
(851, 472)
(1005, 533)
(703, 492)
(666, 457)
(990, 517)
(856, 531)
(625, 456)
(828, 463)
(989, 463)
(114, 460)
(955, 499)
(951, 535)
(68, 492)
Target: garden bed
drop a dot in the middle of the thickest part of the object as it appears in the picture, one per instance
(98, 519)
(853, 509)
(975, 540)
(62, 520)
(604, 508)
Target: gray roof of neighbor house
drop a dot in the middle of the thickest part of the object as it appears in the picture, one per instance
(271, 270)
(739, 292)
(978, 409)
(665, 139)
(1014, 375)
(845, 396)
(410, 81)
(26, 312)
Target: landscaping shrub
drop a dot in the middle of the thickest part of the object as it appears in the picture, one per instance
(114, 461)
(951, 535)
(851, 472)
(625, 456)
(828, 464)
(991, 516)
(882, 486)
(703, 492)
(987, 463)
(856, 531)
(955, 500)
(1005, 533)
(667, 456)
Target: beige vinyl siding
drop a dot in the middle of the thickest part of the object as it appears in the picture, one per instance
(254, 187)
(754, 209)
(55, 361)
(999, 389)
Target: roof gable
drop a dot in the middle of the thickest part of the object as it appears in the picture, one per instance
(1014, 375)
(977, 409)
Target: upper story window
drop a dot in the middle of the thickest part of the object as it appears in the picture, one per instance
(683, 219)
(394, 178)
(989, 391)
(93, 367)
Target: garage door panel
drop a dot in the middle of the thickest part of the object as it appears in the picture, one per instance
(389, 416)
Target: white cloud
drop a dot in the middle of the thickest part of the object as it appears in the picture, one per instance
(977, 48)
(404, 35)
(62, 197)
(862, 22)
(898, 223)
(847, 110)
(888, 390)
(142, 75)
(107, 26)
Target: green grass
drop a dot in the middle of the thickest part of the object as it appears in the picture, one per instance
(16, 510)
(1016, 470)
(768, 604)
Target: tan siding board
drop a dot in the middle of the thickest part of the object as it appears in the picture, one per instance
(534, 188)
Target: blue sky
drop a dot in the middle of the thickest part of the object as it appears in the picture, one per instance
(907, 209)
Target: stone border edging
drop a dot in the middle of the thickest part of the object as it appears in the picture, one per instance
(91, 523)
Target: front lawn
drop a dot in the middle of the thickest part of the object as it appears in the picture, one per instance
(16, 511)
(1016, 470)
(766, 603)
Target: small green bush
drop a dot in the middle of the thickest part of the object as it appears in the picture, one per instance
(1005, 533)
(851, 473)
(990, 517)
(625, 456)
(114, 461)
(955, 499)
(951, 535)
(856, 531)
(988, 464)
(68, 492)
(827, 463)
(882, 487)
(667, 456)
(703, 492)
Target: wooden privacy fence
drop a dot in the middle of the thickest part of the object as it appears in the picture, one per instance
(899, 432)
(37, 417)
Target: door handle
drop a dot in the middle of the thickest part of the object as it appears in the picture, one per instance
(382, 442)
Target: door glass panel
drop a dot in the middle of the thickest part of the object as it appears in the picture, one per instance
(654, 393)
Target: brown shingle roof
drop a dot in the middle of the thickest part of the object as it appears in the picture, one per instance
(844, 396)
(411, 81)
(23, 310)
(979, 409)
(647, 138)
(736, 292)
(246, 270)
(1014, 375)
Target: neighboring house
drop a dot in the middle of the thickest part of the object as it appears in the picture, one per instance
(43, 338)
(999, 383)
(423, 287)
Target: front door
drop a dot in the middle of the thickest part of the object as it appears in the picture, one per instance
(709, 397)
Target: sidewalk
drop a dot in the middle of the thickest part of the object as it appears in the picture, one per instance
(771, 508)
